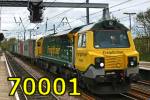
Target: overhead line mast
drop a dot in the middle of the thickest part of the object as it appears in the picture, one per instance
(130, 14)
(0, 19)
(36, 7)
(87, 14)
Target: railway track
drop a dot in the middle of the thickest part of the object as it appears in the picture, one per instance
(144, 82)
(19, 71)
(139, 91)
(29, 72)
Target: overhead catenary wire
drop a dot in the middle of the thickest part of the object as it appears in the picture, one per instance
(131, 6)
(101, 10)
(64, 12)
(120, 3)
(39, 23)
(45, 9)
(85, 16)
(113, 10)
(25, 26)
(82, 16)
(59, 14)
(92, 13)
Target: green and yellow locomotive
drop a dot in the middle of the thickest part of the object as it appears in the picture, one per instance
(102, 55)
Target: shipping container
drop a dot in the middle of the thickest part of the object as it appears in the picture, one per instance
(29, 46)
(20, 47)
(11, 48)
(16, 47)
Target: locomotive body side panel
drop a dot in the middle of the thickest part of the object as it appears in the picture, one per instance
(57, 49)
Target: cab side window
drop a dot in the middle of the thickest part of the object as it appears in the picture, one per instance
(38, 44)
(82, 41)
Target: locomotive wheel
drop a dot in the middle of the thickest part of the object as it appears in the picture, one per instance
(90, 86)
(81, 81)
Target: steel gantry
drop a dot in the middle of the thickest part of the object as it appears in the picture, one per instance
(35, 7)
(24, 3)
(87, 5)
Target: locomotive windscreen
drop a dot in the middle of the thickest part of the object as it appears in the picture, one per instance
(111, 39)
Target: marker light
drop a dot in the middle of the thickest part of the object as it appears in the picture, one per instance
(132, 63)
(101, 65)
(99, 62)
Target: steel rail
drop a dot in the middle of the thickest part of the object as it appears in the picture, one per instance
(29, 74)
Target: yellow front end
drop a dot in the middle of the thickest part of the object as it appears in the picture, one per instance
(105, 57)
(114, 58)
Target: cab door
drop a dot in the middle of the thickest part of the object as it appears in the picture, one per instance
(38, 47)
(81, 51)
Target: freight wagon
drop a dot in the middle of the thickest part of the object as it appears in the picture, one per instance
(20, 47)
(14, 47)
(29, 46)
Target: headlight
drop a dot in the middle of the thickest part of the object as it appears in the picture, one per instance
(132, 61)
(99, 62)
(101, 65)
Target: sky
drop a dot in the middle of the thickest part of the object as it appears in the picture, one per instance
(75, 16)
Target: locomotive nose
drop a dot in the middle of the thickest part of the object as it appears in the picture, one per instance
(114, 62)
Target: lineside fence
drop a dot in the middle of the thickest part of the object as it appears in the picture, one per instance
(142, 44)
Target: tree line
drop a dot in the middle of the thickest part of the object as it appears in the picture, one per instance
(143, 19)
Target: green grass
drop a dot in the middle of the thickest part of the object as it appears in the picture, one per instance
(145, 57)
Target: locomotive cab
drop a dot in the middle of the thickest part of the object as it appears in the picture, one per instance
(105, 54)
